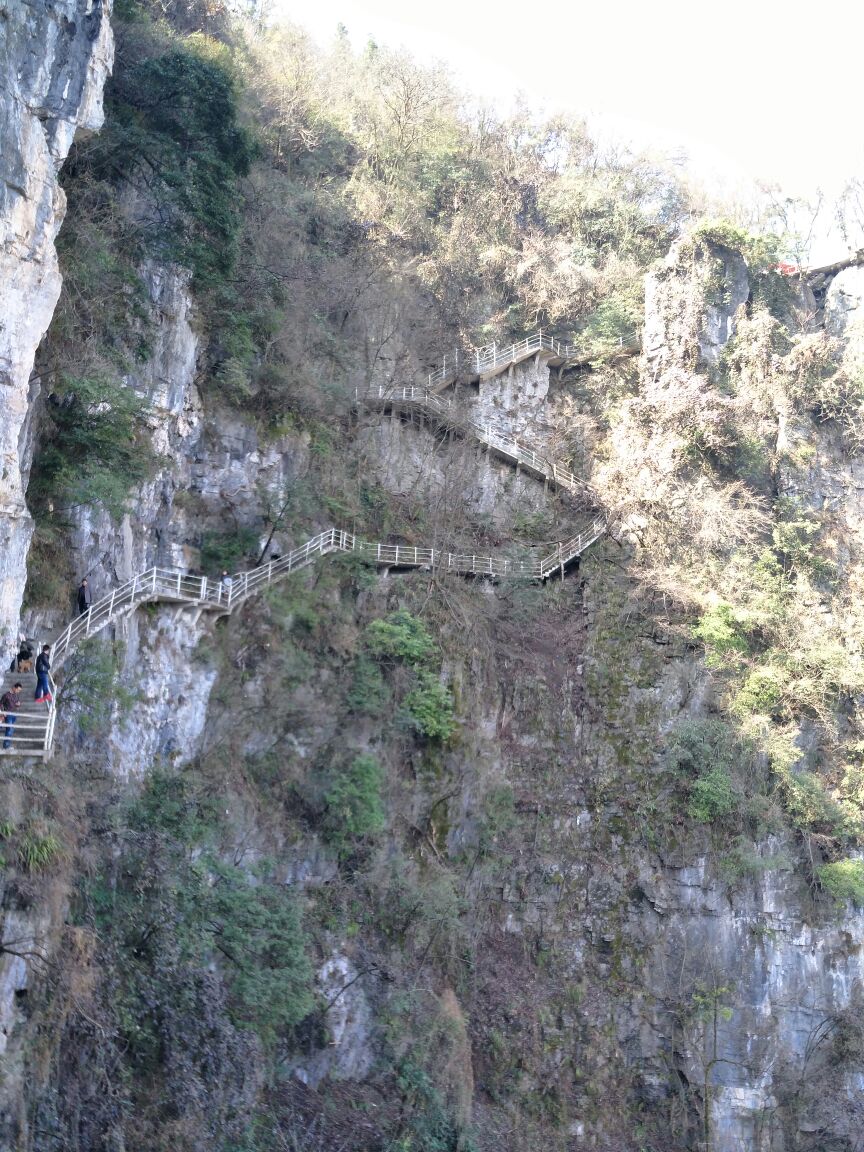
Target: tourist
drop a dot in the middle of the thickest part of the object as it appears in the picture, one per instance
(85, 599)
(43, 667)
(10, 704)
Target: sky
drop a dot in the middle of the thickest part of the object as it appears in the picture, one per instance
(750, 90)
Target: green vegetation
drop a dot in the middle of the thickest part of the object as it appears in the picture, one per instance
(172, 132)
(429, 707)
(231, 551)
(37, 849)
(306, 197)
(721, 633)
(94, 447)
(760, 251)
(400, 637)
(368, 694)
(403, 639)
(355, 807)
(178, 910)
(844, 880)
(715, 762)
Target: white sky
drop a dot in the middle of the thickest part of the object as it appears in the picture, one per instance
(751, 89)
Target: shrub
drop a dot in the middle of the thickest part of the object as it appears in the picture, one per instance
(429, 708)
(93, 685)
(37, 849)
(844, 880)
(616, 321)
(428, 1124)
(713, 796)
(172, 126)
(175, 912)
(806, 799)
(94, 447)
(721, 633)
(400, 637)
(256, 929)
(499, 815)
(355, 808)
(709, 752)
(172, 806)
(231, 550)
(760, 252)
(761, 692)
(368, 694)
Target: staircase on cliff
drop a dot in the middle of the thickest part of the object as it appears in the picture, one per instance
(35, 735)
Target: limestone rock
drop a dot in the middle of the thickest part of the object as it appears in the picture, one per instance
(55, 61)
(691, 300)
(844, 300)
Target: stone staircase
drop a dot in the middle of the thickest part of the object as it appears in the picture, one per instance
(30, 733)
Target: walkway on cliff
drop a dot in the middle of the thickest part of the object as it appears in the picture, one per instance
(453, 416)
(483, 363)
(33, 733)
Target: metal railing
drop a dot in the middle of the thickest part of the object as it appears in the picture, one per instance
(496, 355)
(29, 735)
(453, 416)
(33, 734)
(491, 357)
(570, 549)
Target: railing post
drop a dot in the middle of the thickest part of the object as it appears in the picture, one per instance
(89, 616)
(178, 584)
(203, 587)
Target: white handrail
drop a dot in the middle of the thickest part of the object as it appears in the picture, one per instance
(161, 584)
(493, 356)
(519, 453)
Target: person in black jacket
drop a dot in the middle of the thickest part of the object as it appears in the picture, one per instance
(23, 661)
(85, 599)
(43, 667)
(10, 703)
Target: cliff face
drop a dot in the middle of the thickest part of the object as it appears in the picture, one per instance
(621, 989)
(56, 60)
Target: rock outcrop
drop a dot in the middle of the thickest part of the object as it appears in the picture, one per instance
(691, 298)
(56, 59)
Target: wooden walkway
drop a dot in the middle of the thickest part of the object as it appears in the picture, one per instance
(33, 733)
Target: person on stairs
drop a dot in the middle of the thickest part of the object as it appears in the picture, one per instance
(85, 598)
(227, 583)
(22, 661)
(43, 667)
(10, 703)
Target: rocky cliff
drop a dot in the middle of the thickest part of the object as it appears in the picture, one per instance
(529, 930)
(56, 61)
